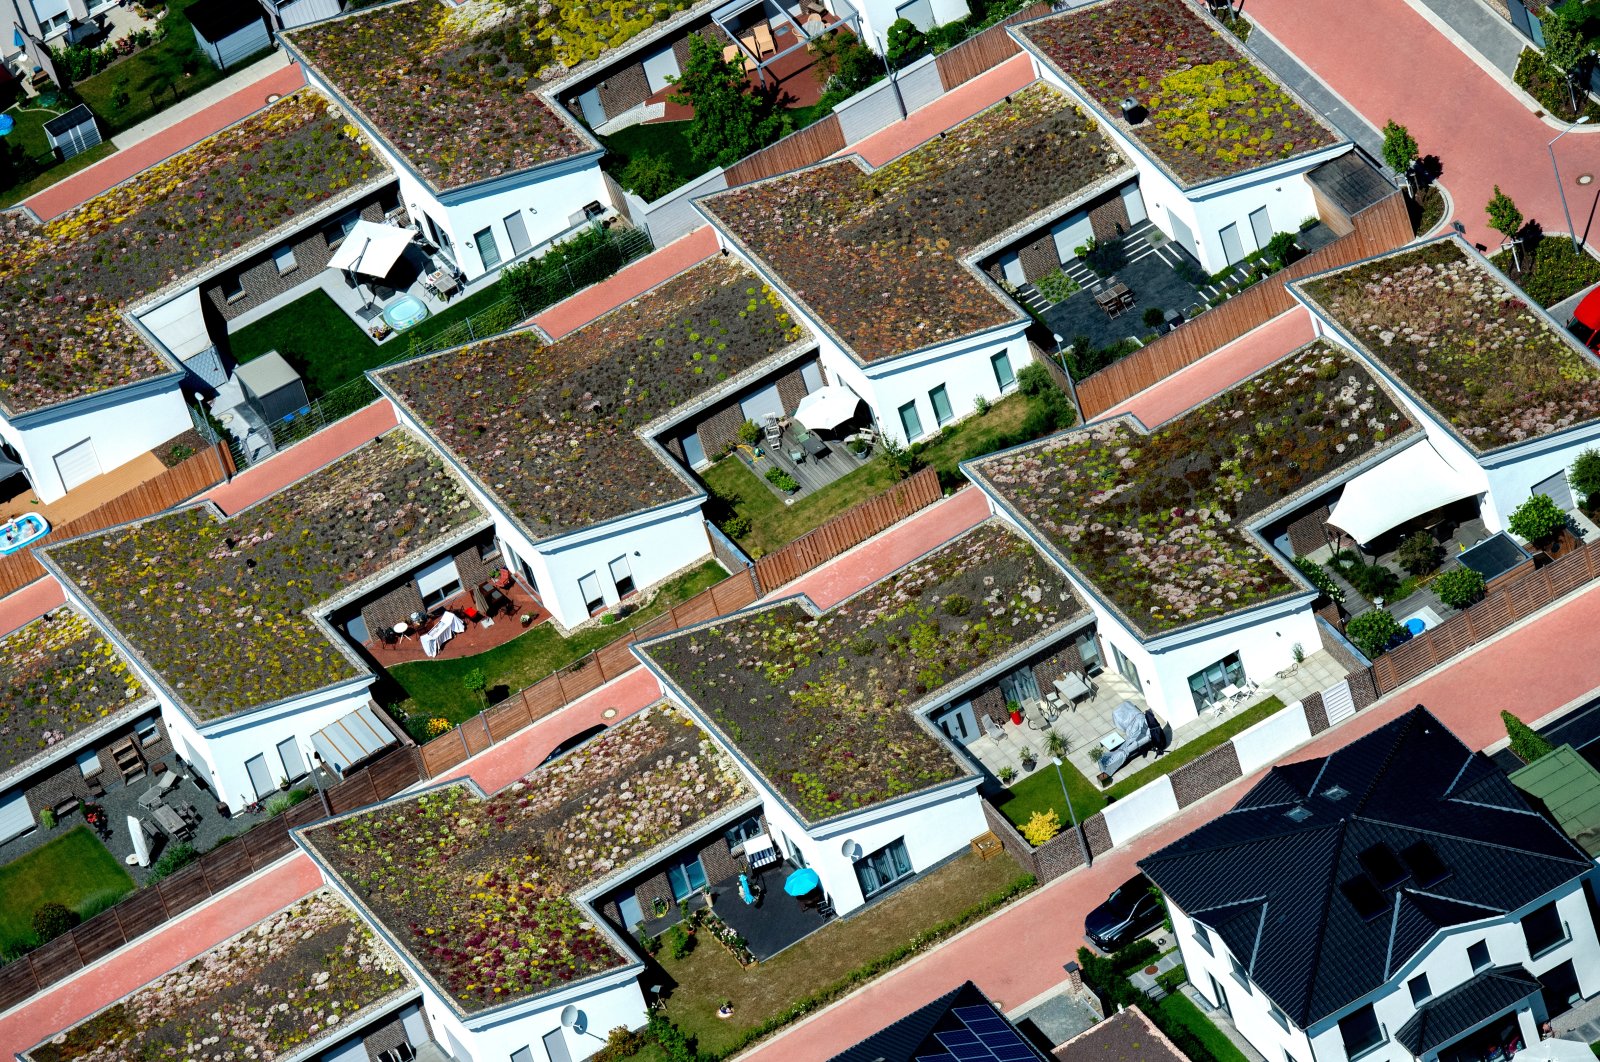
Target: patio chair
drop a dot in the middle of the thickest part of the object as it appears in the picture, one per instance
(764, 42)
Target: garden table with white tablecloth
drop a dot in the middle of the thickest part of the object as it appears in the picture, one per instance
(448, 627)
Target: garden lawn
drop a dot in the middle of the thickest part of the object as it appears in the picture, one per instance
(1041, 791)
(979, 435)
(1180, 1011)
(323, 344)
(157, 77)
(667, 140)
(774, 524)
(434, 686)
(430, 334)
(75, 869)
(709, 974)
(28, 135)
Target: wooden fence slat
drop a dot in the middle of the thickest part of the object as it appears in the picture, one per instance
(983, 52)
(55, 961)
(99, 936)
(17, 983)
(809, 145)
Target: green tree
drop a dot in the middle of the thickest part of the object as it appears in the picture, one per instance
(1564, 46)
(1459, 587)
(1537, 519)
(1506, 219)
(1585, 475)
(649, 177)
(905, 42)
(729, 120)
(475, 681)
(50, 920)
(1399, 148)
(1526, 742)
(1372, 631)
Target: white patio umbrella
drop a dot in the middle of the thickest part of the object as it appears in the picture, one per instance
(1555, 1051)
(826, 409)
(141, 843)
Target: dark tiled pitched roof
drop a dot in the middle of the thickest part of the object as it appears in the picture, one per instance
(1452, 1013)
(1272, 886)
(928, 1033)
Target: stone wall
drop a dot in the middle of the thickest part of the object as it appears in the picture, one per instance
(1306, 532)
(1109, 218)
(390, 1034)
(65, 781)
(259, 277)
(1316, 712)
(1203, 776)
(1098, 834)
(649, 890)
(719, 862)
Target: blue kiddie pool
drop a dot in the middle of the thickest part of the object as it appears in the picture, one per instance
(1415, 626)
(405, 312)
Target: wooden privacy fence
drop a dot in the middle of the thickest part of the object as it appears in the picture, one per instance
(984, 51)
(179, 483)
(224, 866)
(849, 528)
(1382, 227)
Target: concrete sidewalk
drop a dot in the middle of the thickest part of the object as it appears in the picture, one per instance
(1482, 29)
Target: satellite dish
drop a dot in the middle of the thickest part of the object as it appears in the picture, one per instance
(850, 850)
(569, 1016)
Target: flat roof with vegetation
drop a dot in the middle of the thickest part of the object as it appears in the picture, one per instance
(1212, 113)
(550, 430)
(66, 285)
(1463, 340)
(58, 676)
(1156, 523)
(479, 893)
(823, 705)
(295, 981)
(880, 257)
(218, 609)
(457, 89)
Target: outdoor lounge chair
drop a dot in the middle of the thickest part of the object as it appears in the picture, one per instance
(765, 45)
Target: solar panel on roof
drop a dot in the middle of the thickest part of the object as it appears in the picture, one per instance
(1379, 861)
(1364, 897)
(987, 1037)
(1425, 864)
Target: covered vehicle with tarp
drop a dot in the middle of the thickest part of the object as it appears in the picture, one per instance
(1131, 723)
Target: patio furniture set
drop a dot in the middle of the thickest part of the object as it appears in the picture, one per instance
(758, 44)
(1115, 299)
(177, 821)
(1231, 696)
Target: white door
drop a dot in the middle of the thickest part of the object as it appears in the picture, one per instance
(517, 229)
(1232, 246)
(1133, 203)
(555, 1045)
(1261, 227)
(659, 67)
(294, 764)
(260, 777)
(1070, 233)
(594, 112)
(1182, 233)
(77, 464)
(15, 818)
(1011, 269)
(1558, 491)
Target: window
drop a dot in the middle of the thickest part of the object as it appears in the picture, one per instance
(488, 250)
(1239, 972)
(1001, 364)
(593, 598)
(687, 878)
(1206, 685)
(294, 764)
(1421, 991)
(622, 576)
(1278, 1016)
(740, 832)
(1544, 930)
(1202, 937)
(438, 235)
(1361, 1032)
(439, 581)
(149, 731)
(1478, 956)
(337, 229)
(910, 421)
(883, 868)
(232, 287)
(941, 405)
(1127, 668)
(522, 1054)
(283, 258)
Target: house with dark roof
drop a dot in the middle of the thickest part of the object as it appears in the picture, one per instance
(1396, 899)
(961, 1024)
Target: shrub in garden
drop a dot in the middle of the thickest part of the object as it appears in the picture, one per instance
(679, 943)
(649, 176)
(1585, 475)
(277, 804)
(750, 432)
(1538, 519)
(50, 920)
(905, 42)
(1041, 826)
(1372, 581)
(1319, 578)
(1373, 631)
(782, 480)
(1034, 380)
(736, 526)
(1154, 317)
(1526, 742)
(621, 1045)
(1419, 554)
(1280, 248)
(174, 859)
(1056, 285)
(958, 604)
(1459, 587)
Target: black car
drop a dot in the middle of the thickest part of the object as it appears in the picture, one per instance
(1128, 914)
(573, 742)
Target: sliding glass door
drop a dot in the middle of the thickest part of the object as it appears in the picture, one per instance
(1206, 685)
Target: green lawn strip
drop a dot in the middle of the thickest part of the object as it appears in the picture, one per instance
(320, 340)
(434, 686)
(774, 524)
(427, 334)
(978, 435)
(1041, 791)
(1179, 1011)
(75, 870)
(818, 964)
(666, 140)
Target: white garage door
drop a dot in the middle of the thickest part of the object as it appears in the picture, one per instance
(15, 818)
(659, 67)
(1071, 233)
(77, 464)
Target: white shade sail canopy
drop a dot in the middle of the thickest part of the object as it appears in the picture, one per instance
(1556, 1051)
(827, 408)
(1412, 482)
(371, 249)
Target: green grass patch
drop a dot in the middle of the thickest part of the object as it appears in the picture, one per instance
(320, 340)
(977, 435)
(147, 82)
(434, 687)
(774, 524)
(430, 333)
(665, 140)
(1041, 791)
(1552, 270)
(1177, 1009)
(27, 137)
(74, 870)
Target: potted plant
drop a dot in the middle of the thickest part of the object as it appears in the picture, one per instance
(1056, 744)
(1007, 774)
(1015, 710)
(659, 906)
(527, 620)
(1029, 760)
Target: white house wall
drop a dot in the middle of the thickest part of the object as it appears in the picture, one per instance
(612, 1001)
(1249, 1006)
(121, 426)
(878, 15)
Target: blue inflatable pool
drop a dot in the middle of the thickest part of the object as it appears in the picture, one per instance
(405, 312)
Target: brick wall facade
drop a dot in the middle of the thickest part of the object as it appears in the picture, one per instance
(991, 702)
(649, 890)
(1306, 532)
(65, 780)
(259, 277)
(1110, 218)
(1316, 712)
(1363, 688)
(1097, 833)
(1204, 776)
(1058, 855)
(719, 862)
(1038, 256)
(390, 1034)
(719, 427)
(624, 89)
(1339, 651)
(1037, 253)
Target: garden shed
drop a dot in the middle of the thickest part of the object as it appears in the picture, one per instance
(273, 387)
(72, 133)
(228, 31)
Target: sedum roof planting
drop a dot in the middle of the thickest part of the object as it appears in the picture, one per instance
(479, 892)
(65, 285)
(1212, 112)
(186, 589)
(1463, 340)
(295, 980)
(1156, 522)
(57, 677)
(822, 705)
(550, 430)
(456, 89)
(879, 257)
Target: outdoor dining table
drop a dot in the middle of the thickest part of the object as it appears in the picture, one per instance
(813, 445)
(169, 820)
(448, 627)
(1072, 686)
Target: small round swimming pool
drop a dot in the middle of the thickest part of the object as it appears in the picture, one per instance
(405, 312)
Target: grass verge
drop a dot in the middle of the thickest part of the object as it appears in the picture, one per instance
(74, 870)
(1177, 1010)
(27, 137)
(774, 524)
(665, 140)
(434, 687)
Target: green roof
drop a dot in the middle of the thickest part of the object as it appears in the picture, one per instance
(1569, 788)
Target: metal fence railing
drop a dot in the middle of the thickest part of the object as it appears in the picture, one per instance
(563, 281)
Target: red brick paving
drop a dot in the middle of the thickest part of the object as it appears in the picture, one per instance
(303, 458)
(637, 278)
(948, 110)
(28, 604)
(83, 186)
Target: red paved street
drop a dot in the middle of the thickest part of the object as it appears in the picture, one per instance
(637, 278)
(1371, 51)
(946, 111)
(81, 187)
(28, 604)
(303, 458)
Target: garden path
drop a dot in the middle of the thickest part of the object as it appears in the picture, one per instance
(1370, 52)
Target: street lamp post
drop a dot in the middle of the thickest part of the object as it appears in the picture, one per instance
(1572, 233)
(1083, 844)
